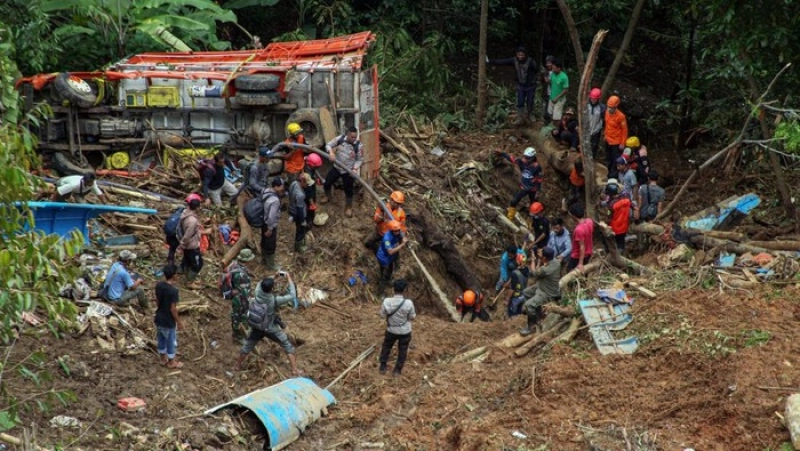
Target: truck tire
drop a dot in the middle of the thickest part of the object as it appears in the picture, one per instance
(248, 98)
(75, 89)
(257, 82)
(64, 166)
(308, 119)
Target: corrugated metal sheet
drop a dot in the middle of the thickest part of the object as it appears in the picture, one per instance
(285, 409)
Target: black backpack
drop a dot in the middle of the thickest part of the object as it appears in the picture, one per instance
(173, 225)
(254, 209)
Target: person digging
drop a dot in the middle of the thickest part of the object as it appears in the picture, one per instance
(547, 274)
(530, 178)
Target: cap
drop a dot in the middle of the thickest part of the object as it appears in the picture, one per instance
(263, 151)
(548, 253)
(620, 160)
(277, 181)
(127, 256)
(246, 255)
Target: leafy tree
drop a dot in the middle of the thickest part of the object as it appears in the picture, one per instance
(32, 265)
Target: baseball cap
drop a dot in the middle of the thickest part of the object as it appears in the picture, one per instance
(277, 181)
(548, 253)
(127, 256)
(263, 151)
(621, 160)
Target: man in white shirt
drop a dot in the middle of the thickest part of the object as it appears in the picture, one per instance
(399, 312)
(77, 185)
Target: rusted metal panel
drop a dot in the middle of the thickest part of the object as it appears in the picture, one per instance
(285, 409)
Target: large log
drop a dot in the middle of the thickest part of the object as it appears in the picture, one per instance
(539, 339)
(776, 245)
(471, 354)
(562, 160)
(792, 417)
(706, 242)
(573, 275)
(443, 299)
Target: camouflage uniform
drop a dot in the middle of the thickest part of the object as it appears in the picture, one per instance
(239, 294)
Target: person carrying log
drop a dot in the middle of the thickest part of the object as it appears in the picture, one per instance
(547, 274)
(530, 178)
(471, 301)
(395, 206)
(294, 160)
(348, 151)
(616, 131)
(313, 162)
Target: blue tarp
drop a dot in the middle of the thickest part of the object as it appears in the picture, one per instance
(712, 218)
(61, 218)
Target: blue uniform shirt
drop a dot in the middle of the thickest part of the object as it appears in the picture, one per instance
(388, 241)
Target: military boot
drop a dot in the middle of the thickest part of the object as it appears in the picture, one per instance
(531, 327)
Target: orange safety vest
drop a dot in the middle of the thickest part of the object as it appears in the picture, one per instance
(295, 160)
(621, 215)
(616, 128)
(382, 225)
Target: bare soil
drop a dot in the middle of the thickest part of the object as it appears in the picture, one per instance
(699, 378)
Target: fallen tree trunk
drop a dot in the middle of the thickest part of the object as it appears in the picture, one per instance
(776, 245)
(471, 354)
(560, 310)
(539, 339)
(706, 242)
(569, 334)
(562, 160)
(443, 299)
(573, 275)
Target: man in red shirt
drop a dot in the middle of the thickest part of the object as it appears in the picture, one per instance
(581, 238)
(620, 213)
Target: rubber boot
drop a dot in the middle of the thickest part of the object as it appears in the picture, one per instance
(326, 197)
(520, 118)
(530, 327)
(511, 212)
(348, 208)
(269, 262)
(300, 246)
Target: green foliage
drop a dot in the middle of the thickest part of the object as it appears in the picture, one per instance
(789, 132)
(756, 337)
(33, 267)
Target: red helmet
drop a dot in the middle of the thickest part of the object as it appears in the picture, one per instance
(194, 196)
(536, 208)
(595, 93)
(313, 160)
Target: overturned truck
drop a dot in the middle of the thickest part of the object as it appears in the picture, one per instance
(197, 103)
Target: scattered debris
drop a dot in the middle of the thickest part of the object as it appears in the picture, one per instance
(63, 421)
(131, 404)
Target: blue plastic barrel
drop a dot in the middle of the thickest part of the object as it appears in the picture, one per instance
(61, 218)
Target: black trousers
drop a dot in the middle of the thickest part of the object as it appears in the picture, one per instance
(386, 272)
(269, 243)
(620, 240)
(333, 176)
(192, 260)
(173, 243)
(532, 195)
(300, 229)
(573, 262)
(402, 349)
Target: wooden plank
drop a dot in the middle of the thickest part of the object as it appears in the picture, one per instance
(328, 124)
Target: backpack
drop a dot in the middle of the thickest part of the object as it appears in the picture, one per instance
(650, 209)
(244, 166)
(254, 209)
(226, 280)
(173, 225)
(341, 141)
(257, 314)
(204, 164)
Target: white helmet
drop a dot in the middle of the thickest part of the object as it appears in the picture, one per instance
(530, 152)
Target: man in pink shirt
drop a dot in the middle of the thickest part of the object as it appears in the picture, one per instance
(581, 238)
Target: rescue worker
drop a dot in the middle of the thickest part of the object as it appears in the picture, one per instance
(506, 263)
(257, 176)
(398, 312)
(638, 159)
(272, 215)
(518, 283)
(567, 130)
(294, 160)
(313, 162)
(297, 209)
(471, 302)
(547, 274)
(577, 182)
(348, 151)
(630, 184)
(525, 71)
(272, 325)
(616, 131)
(78, 186)
(236, 285)
(190, 241)
(396, 201)
(540, 227)
(560, 241)
(391, 243)
(215, 184)
(530, 178)
(596, 113)
(619, 215)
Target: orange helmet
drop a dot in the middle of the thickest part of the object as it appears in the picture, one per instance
(398, 197)
(469, 298)
(536, 208)
(613, 102)
(394, 226)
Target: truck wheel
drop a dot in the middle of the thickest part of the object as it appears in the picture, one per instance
(64, 166)
(248, 98)
(75, 89)
(308, 119)
(257, 82)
